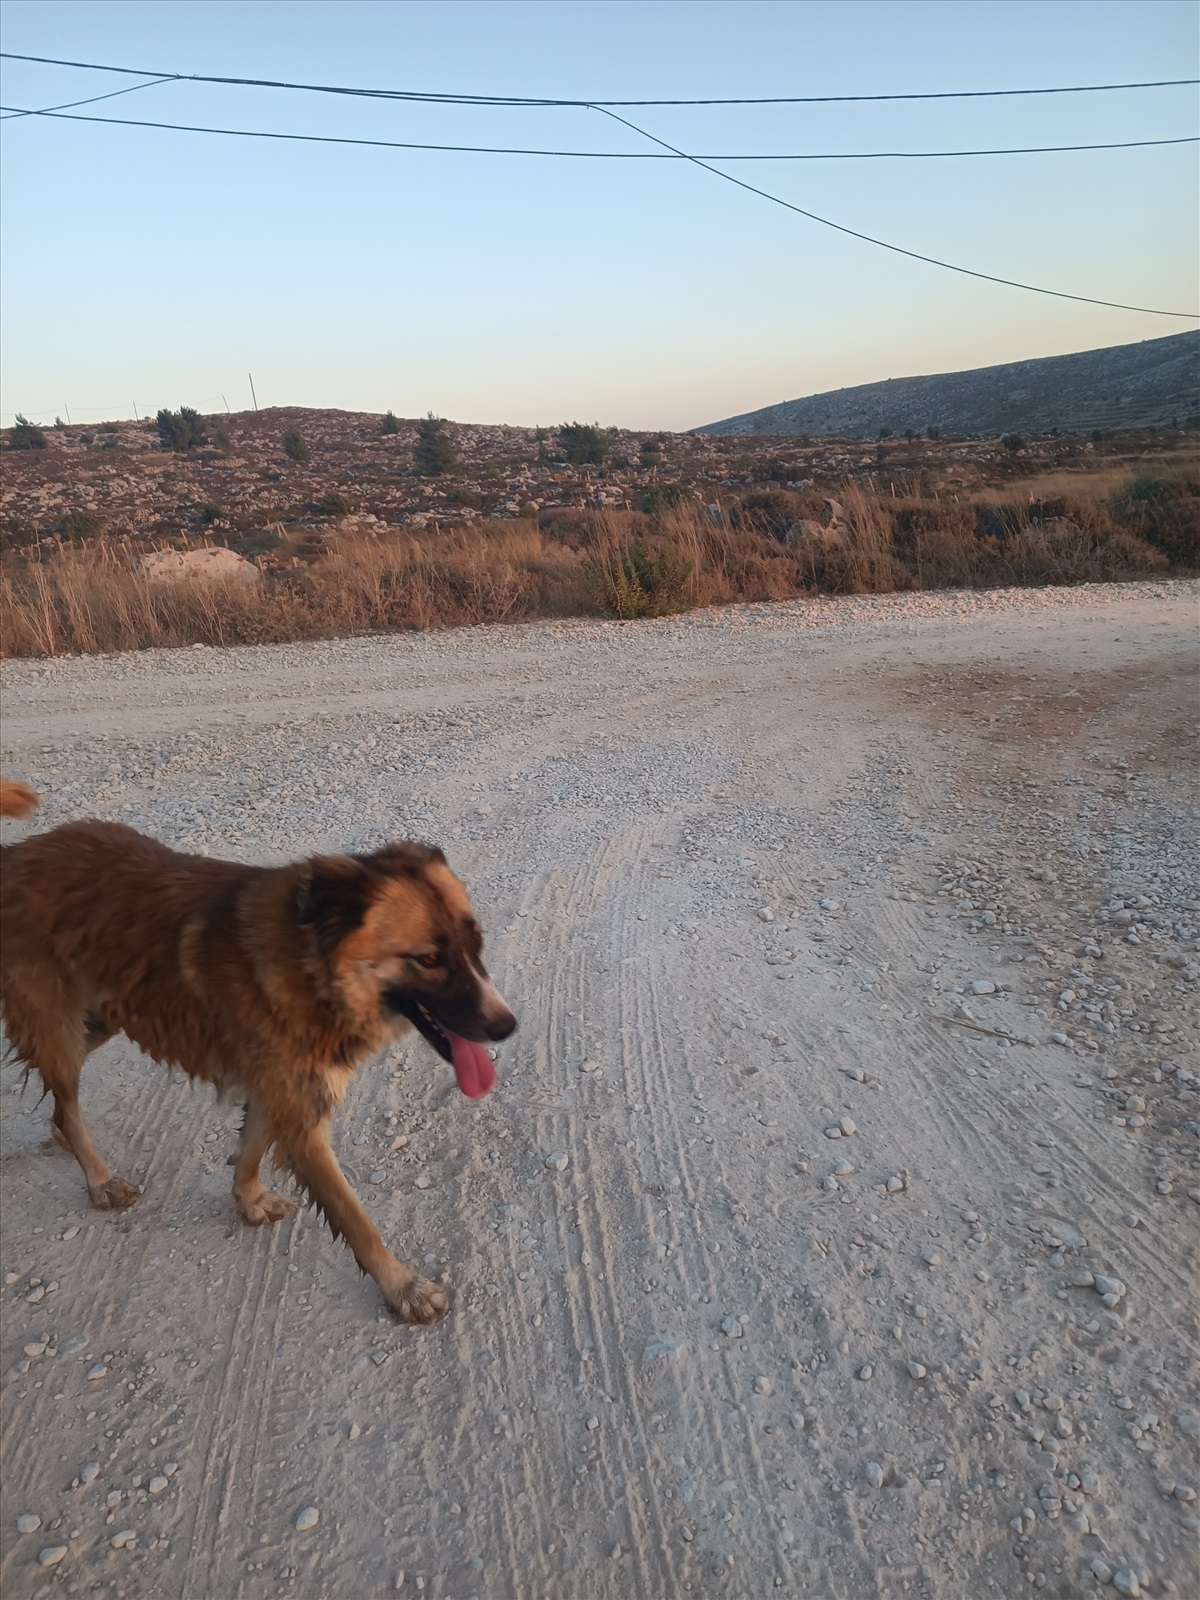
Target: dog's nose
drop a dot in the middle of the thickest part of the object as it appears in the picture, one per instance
(499, 1027)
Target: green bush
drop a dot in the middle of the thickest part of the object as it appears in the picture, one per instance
(660, 497)
(389, 423)
(771, 512)
(333, 504)
(434, 455)
(81, 525)
(26, 435)
(295, 447)
(180, 430)
(584, 444)
(636, 579)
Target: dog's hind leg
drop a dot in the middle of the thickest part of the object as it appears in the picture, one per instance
(58, 1056)
(311, 1159)
(255, 1204)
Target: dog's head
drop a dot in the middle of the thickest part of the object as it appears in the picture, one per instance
(399, 936)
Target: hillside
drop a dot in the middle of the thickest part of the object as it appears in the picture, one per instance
(1127, 385)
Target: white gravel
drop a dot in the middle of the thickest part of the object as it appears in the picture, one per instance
(650, 1380)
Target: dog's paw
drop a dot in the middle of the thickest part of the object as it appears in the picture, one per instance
(267, 1206)
(420, 1302)
(114, 1195)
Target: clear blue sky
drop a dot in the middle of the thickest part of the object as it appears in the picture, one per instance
(159, 268)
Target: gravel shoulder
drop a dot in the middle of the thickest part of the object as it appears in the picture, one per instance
(832, 1227)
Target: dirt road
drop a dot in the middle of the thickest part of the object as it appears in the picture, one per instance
(854, 945)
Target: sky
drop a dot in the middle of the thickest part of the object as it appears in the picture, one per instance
(142, 268)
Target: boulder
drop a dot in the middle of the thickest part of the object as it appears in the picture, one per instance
(211, 562)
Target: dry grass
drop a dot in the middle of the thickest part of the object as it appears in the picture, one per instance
(84, 599)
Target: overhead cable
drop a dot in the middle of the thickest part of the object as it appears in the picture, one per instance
(430, 97)
(59, 113)
(915, 255)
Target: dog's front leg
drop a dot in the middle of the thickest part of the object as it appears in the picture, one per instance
(315, 1166)
(255, 1204)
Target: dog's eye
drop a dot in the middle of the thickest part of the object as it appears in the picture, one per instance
(428, 961)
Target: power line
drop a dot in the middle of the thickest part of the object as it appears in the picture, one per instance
(523, 100)
(606, 108)
(592, 155)
(69, 105)
(915, 255)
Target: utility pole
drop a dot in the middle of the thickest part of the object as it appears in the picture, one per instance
(67, 409)
(253, 396)
(225, 403)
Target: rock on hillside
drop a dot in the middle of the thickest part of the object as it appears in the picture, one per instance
(1127, 385)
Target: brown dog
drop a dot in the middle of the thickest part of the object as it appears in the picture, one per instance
(271, 983)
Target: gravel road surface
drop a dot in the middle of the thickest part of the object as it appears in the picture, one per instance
(831, 1230)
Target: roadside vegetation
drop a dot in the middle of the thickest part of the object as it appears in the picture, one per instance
(85, 592)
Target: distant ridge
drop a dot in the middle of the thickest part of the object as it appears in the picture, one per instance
(1124, 386)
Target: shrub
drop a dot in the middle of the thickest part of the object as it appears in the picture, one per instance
(333, 504)
(662, 497)
(434, 454)
(584, 444)
(1013, 442)
(26, 435)
(634, 579)
(81, 525)
(180, 430)
(389, 423)
(771, 512)
(933, 431)
(295, 447)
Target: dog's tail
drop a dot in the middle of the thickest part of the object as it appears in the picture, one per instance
(17, 799)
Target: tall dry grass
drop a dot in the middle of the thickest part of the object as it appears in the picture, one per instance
(85, 599)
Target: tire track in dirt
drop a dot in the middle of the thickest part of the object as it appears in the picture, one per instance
(245, 1368)
(588, 1315)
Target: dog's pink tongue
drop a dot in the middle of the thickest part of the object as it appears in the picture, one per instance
(472, 1066)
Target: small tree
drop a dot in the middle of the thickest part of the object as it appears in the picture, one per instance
(933, 431)
(294, 446)
(434, 454)
(81, 525)
(390, 423)
(26, 435)
(180, 430)
(662, 497)
(885, 433)
(1013, 442)
(583, 443)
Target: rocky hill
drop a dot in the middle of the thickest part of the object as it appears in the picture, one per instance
(1127, 385)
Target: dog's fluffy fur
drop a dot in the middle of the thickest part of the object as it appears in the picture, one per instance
(273, 984)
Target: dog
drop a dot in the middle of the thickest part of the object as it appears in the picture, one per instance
(271, 983)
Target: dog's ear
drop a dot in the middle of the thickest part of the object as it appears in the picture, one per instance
(332, 899)
(402, 855)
